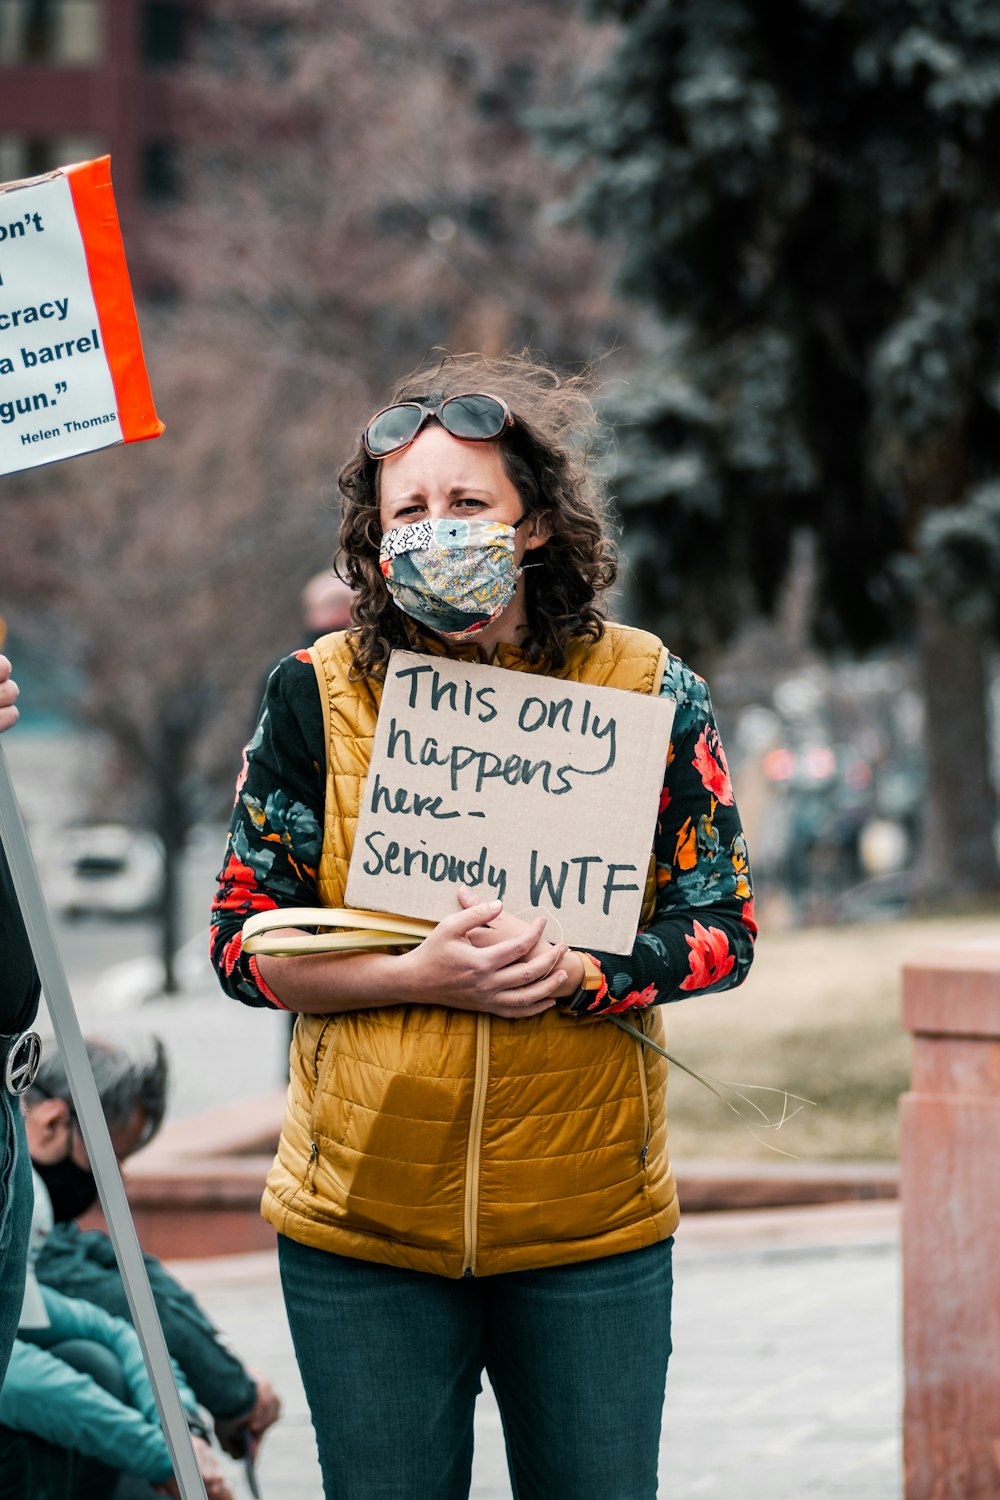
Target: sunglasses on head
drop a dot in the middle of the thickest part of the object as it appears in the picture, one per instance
(475, 418)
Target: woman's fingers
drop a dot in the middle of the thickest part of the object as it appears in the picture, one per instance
(512, 975)
(460, 923)
(531, 971)
(530, 1000)
(511, 950)
(8, 696)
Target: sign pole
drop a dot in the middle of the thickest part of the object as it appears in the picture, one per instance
(97, 1139)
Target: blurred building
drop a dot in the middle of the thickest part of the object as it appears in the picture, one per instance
(79, 78)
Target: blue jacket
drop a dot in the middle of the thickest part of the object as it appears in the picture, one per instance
(81, 1263)
(44, 1395)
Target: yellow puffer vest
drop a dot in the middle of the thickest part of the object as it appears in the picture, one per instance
(452, 1142)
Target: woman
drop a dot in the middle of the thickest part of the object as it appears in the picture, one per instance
(472, 1176)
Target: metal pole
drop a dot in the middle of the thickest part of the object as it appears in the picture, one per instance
(97, 1140)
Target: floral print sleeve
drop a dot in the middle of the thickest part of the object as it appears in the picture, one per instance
(276, 833)
(702, 933)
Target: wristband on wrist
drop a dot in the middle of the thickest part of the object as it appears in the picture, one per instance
(591, 988)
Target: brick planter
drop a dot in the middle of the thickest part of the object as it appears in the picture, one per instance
(950, 1187)
(196, 1190)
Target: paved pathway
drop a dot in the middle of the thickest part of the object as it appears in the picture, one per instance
(784, 1382)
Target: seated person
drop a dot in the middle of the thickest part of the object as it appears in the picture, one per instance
(79, 1263)
(77, 1411)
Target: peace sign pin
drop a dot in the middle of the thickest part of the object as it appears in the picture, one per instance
(22, 1062)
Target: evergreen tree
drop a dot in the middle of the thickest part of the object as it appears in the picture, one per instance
(807, 196)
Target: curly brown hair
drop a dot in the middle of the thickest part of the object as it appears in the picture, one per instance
(546, 456)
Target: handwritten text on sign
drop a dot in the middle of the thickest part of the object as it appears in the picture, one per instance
(540, 792)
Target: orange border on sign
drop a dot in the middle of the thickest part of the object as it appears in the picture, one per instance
(94, 205)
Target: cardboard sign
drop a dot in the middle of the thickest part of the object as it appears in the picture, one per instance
(539, 792)
(72, 375)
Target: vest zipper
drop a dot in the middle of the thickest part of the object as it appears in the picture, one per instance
(475, 1141)
(309, 1181)
(644, 1090)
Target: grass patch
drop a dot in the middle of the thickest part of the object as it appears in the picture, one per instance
(819, 1016)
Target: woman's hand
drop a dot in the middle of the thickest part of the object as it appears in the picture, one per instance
(8, 696)
(502, 927)
(467, 965)
(506, 925)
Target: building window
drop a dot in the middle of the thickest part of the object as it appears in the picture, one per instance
(69, 33)
(164, 34)
(161, 172)
(32, 155)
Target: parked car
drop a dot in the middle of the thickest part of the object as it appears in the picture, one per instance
(107, 869)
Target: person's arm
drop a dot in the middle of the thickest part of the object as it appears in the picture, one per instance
(220, 1381)
(275, 842)
(702, 933)
(82, 1264)
(44, 1395)
(276, 831)
(73, 1318)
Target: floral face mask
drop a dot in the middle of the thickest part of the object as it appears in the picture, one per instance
(454, 576)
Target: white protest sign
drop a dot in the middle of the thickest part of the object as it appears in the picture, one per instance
(72, 375)
(540, 792)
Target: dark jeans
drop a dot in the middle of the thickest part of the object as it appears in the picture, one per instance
(391, 1363)
(16, 1203)
(31, 1469)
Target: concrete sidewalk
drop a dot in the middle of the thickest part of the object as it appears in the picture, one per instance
(785, 1379)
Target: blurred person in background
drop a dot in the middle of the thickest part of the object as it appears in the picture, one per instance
(78, 1418)
(326, 605)
(473, 1172)
(19, 991)
(133, 1090)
